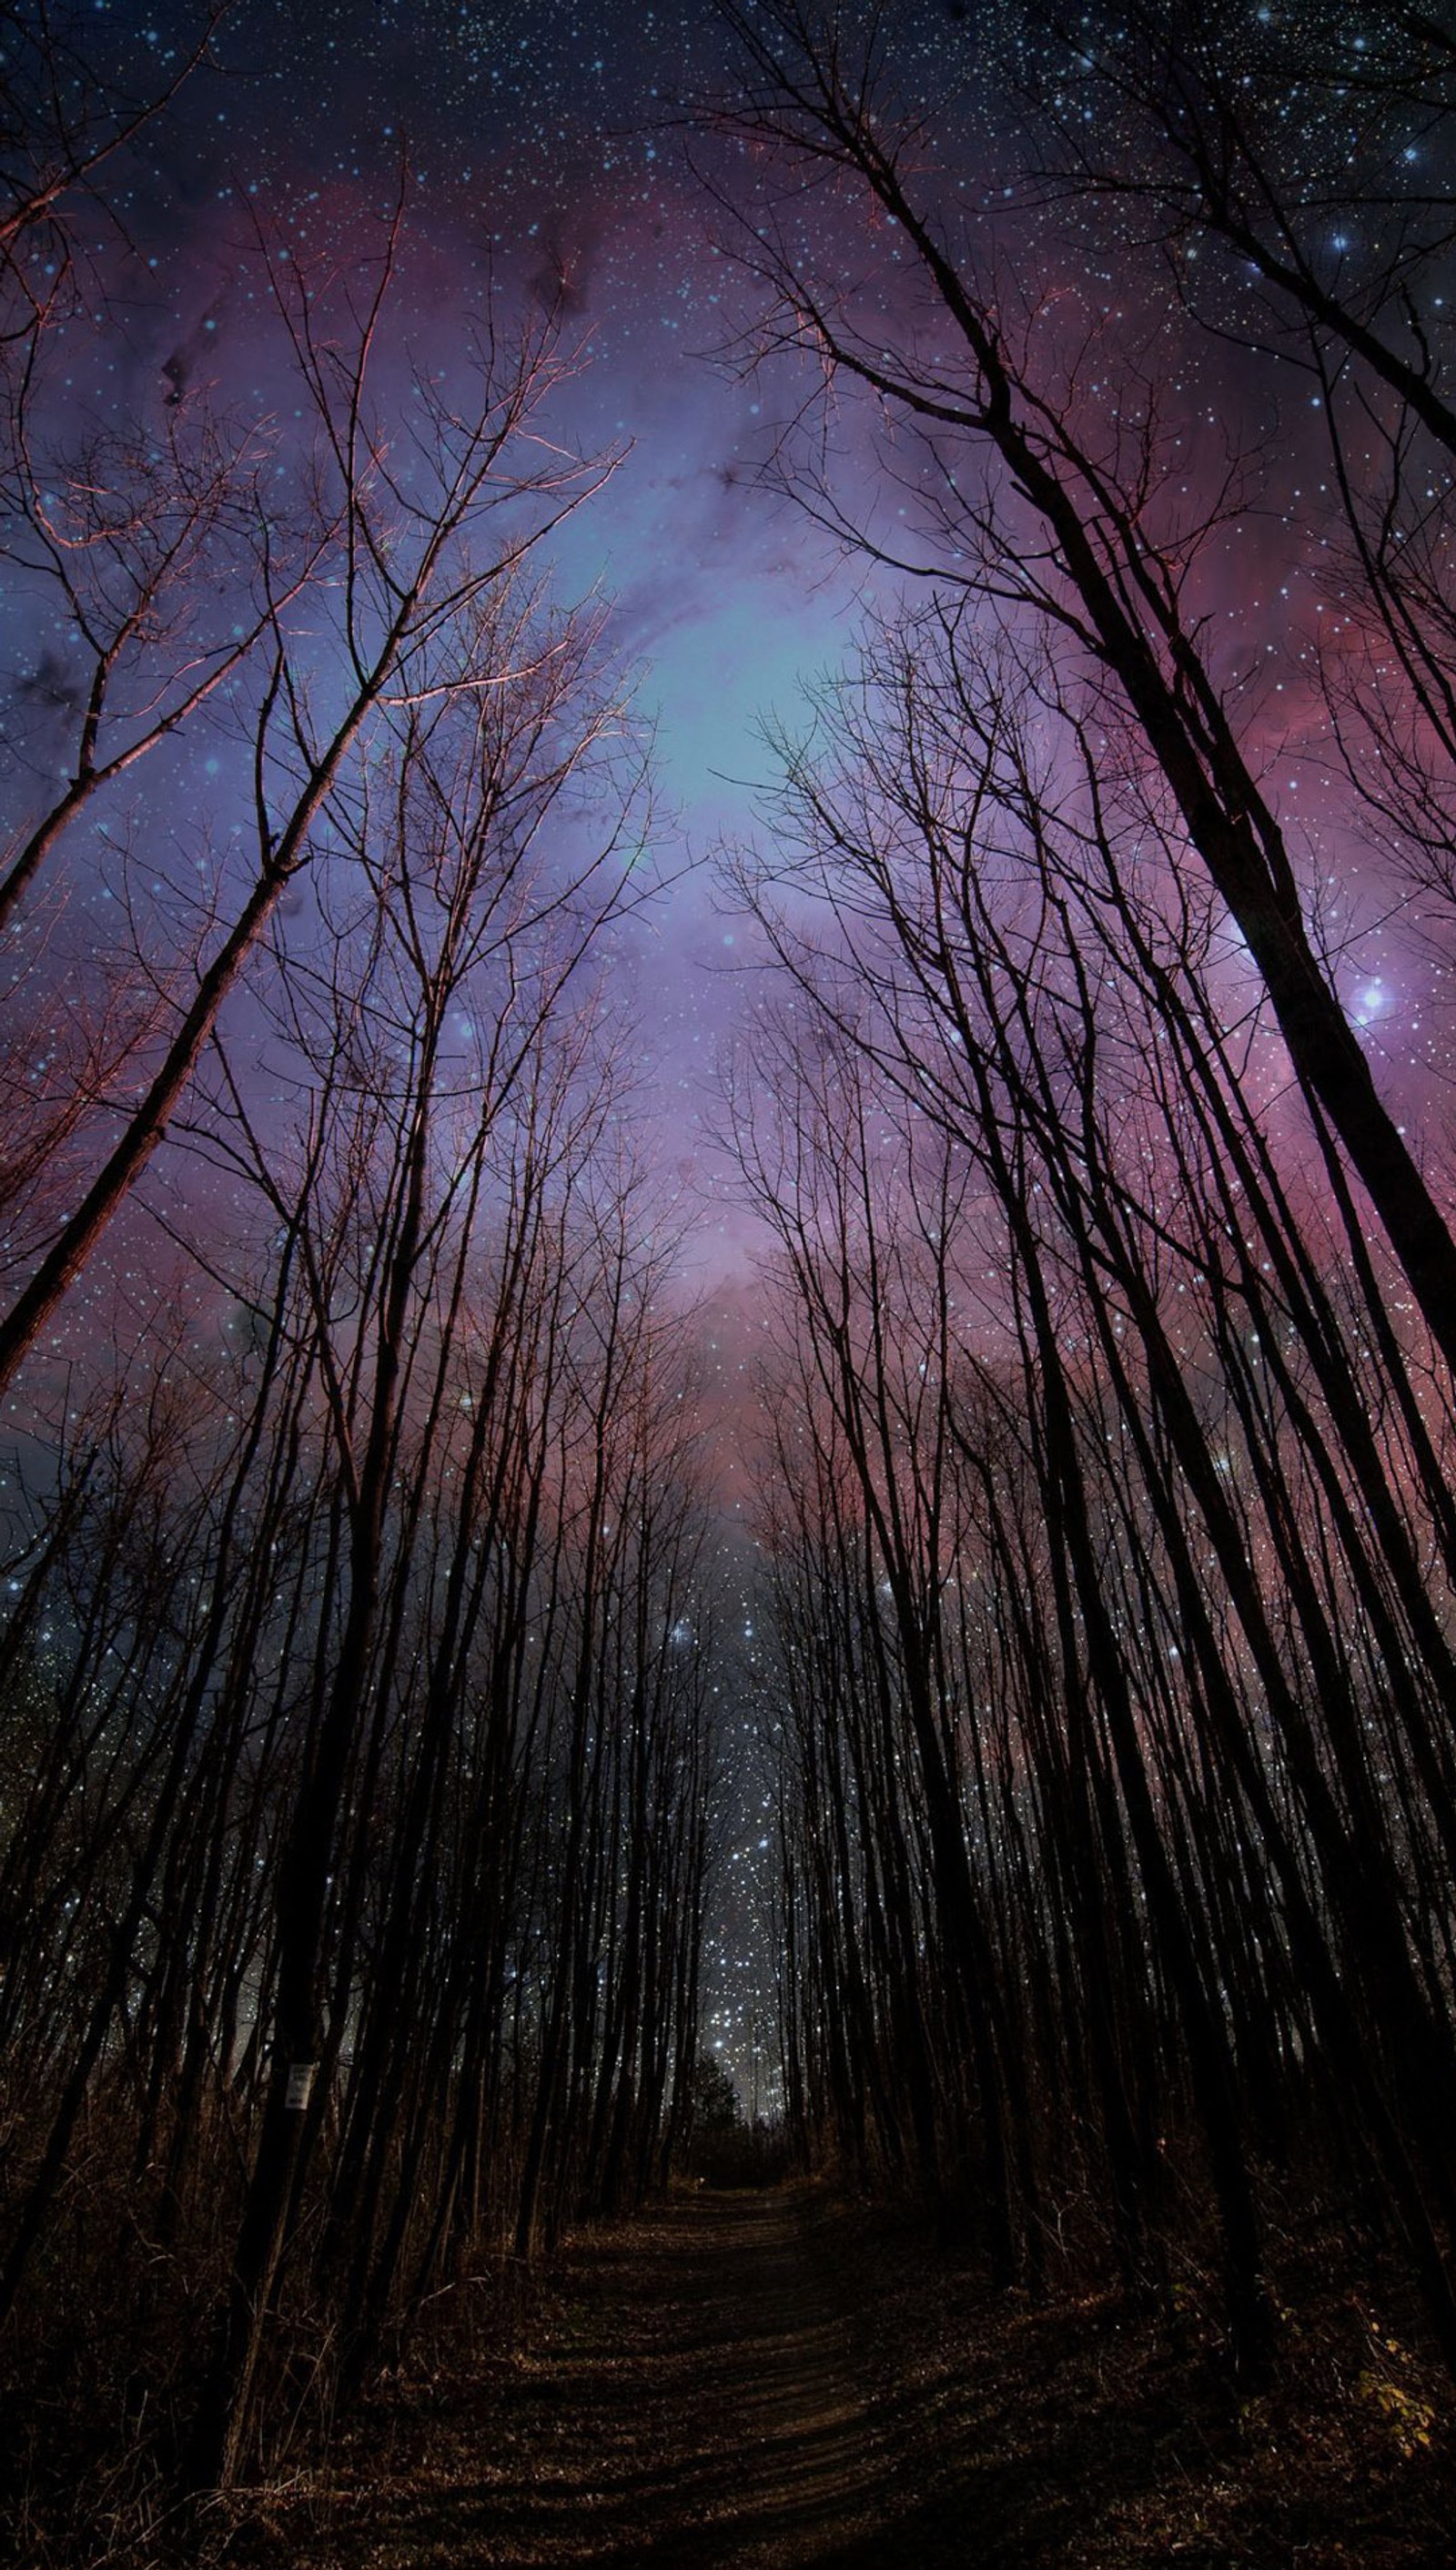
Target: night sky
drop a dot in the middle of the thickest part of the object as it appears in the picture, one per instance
(548, 143)
(554, 144)
(542, 152)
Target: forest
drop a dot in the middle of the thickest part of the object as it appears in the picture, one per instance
(376, 1724)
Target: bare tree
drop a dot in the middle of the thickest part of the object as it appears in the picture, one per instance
(403, 553)
(68, 116)
(1053, 502)
(1292, 179)
(471, 919)
(1135, 1290)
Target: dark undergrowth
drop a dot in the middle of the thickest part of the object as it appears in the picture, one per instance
(101, 2363)
(1088, 2429)
(1091, 2427)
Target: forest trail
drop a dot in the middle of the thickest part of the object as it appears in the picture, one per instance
(773, 2380)
(691, 2403)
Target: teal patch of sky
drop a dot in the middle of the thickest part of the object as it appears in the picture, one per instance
(727, 601)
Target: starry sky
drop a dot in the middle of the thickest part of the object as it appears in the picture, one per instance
(541, 150)
(543, 142)
(547, 143)
(561, 129)
(540, 139)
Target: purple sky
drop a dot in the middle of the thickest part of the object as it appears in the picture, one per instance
(537, 135)
(543, 137)
(518, 126)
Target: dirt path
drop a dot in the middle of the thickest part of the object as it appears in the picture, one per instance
(690, 2403)
(768, 2381)
(789, 2468)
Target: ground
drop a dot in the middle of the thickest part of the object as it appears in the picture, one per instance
(773, 2378)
